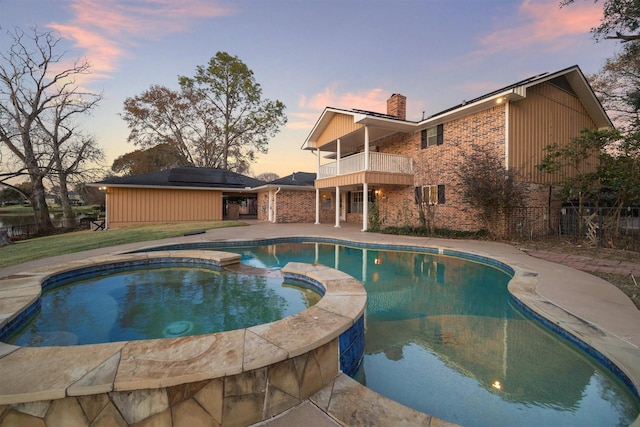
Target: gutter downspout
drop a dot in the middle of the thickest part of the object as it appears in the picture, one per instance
(506, 136)
(275, 204)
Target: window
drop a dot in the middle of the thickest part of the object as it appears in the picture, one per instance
(432, 136)
(356, 201)
(431, 194)
(325, 200)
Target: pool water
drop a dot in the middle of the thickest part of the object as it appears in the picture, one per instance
(443, 337)
(158, 302)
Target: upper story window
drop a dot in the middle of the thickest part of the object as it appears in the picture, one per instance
(432, 136)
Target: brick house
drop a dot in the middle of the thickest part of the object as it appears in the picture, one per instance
(400, 163)
(289, 199)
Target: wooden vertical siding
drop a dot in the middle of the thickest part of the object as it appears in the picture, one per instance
(140, 205)
(340, 125)
(548, 115)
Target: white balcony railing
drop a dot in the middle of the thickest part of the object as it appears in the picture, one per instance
(378, 162)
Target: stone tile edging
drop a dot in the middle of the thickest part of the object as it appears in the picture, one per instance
(243, 376)
(617, 355)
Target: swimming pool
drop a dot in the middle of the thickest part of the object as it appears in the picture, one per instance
(162, 301)
(443, 336)
(146, 380)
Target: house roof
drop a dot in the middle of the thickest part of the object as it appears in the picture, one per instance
(380, 125)
(297, 180)
(188, 177)
(571, 79)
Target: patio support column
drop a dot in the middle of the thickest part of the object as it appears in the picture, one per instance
(270, 216)
(317, 206)
(365, 206)
(337, 188)
(366, 148)
(338, 157)
(337, 207)
(317, 189)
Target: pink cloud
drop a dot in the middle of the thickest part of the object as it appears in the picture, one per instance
(103, 29)
(372, 99)
(544, 21)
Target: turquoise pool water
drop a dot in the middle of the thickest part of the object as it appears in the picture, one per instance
(140, 303)
(443, 337)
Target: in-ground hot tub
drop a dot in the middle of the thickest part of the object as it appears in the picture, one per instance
(232, 378)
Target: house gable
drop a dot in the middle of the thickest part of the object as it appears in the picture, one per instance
(340, 125)
(550, 114)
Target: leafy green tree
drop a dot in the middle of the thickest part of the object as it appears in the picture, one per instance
(578, 166)
(217, 119)
(159, 157)
(620, 20)
(228, 91)
(91, 195)
(268, 176)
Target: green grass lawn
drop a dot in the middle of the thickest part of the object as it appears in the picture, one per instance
(60, 244)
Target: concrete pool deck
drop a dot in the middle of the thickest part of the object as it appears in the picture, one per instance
(598, 312)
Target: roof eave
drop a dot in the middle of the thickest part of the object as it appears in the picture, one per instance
(513, 94)
(172, 187)
(323, 121)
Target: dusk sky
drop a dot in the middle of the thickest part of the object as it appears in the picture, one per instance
(311, 54)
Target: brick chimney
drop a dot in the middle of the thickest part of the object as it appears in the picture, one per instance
(397, 106)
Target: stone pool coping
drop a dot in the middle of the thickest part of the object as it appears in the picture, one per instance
(617, 353)
(601, 310)
(32, 374)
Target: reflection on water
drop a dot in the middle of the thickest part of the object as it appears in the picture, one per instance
(443, 338)
(13, 220)
(160, 302)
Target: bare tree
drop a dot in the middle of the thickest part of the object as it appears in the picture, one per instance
(34, 84)
(488, 185)
(69, 148)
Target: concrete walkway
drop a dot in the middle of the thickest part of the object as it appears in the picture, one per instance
(562, 290)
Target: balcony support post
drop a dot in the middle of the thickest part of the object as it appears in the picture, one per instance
(338, 157)
(366, 148)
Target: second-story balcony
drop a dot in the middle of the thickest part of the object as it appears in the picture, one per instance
(378, 168)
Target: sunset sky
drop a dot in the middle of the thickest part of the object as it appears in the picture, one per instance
(310, 54)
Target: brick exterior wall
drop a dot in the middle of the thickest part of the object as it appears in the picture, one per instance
(293, 206)
(437, 165)
(263, 206)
